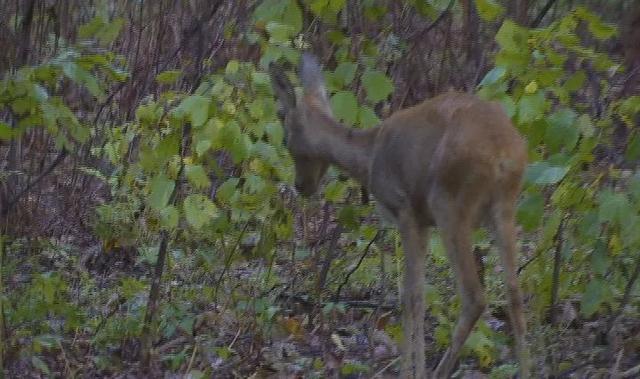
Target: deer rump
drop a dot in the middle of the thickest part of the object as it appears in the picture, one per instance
(453, 143)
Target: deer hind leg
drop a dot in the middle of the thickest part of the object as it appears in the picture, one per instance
(505, 230)
(414, 243)
(455, 219)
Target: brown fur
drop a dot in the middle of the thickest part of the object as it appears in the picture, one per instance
(454, 162)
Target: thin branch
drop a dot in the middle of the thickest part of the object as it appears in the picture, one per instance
(632, 372)
(528, 262)
(615, 373)
(626, 297)
(441, 16)
(326, 265)
(156, 281)
(227, 261)
(543, 12)
(385, 368)
(379, 233)
(555, 283)
(14, 200)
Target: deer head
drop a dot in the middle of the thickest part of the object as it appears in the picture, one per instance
(300, 118)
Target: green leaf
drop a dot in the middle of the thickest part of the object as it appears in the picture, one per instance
(199, 210)
(260, 79)
(544, 173)
(40, 364)
(353, 368)
(327, 9)
(231, 138)
(549, 77)
(493, 76)
(266, 152)
(148, 113)
(630, 106)
(599, 258)
(348, 217)
(103, 30)
(594, 295)
(275, 133)
(232, 67)
(613, 207)
(6, 132)
(512, 37)
(169, 217)
(629, 232)
(367, 118)
(82, 77)
(531, 107)
(39, 93)
(575, 81)
(598, 29)
(160, 189)
(507, 104)
(345, 72)
(345, 106)
(254, 184)
(167, 148)
(196, 107)
(227, 189)
(489, 10)
(197, 176)
(335, 190)
(195, 374)
(424, 8)
(585, 125)
(377, 85)
(280, 33)
(561, 132)
(634, 187)
(292, 15)
(168, 77)
(632, 152)
(270, 10)
(530, 211)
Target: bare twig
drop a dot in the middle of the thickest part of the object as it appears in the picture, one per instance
(326, 265)
(632, 372)
(441, 16)
(385, 368)
(543, 12)
(14, 200)
(235, 338)
(227, 262)
(193, 357)
(616, 366)
(156, 281)
(2, 321)
(530, 260)
(626, 297)
(336, 297)
(555, 283)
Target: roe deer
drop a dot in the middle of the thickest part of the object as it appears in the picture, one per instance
(454, 161)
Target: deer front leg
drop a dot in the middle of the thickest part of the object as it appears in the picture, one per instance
(456, 235)
(414, 243)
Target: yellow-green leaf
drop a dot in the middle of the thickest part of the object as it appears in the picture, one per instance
(489, 10)
(377, 85)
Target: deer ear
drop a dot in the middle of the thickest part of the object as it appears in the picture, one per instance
(312, 80)
(282, 86)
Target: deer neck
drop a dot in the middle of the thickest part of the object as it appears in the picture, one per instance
(348, 148)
